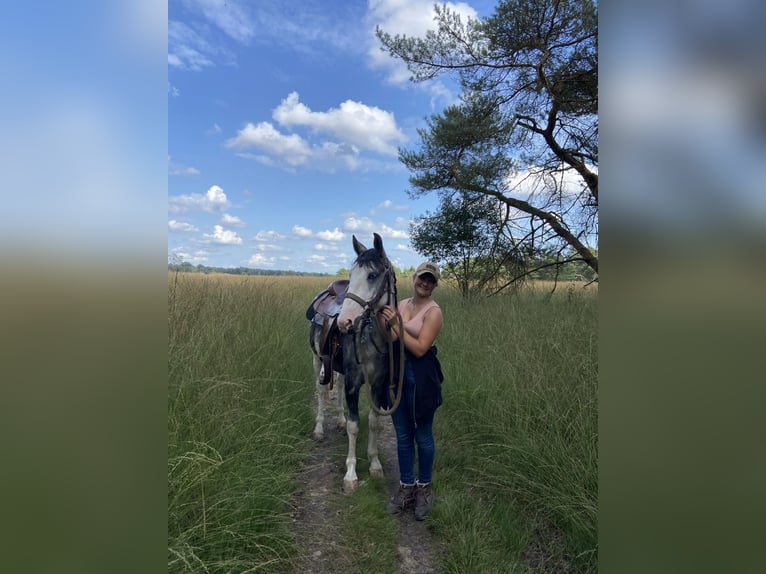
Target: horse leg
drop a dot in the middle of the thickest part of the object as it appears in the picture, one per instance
(376, 469)
(320, 393)
(350, 481)
(340, 383)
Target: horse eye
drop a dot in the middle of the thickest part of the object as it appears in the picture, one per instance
(372, 277)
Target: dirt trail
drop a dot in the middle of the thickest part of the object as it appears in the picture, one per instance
(317, 508)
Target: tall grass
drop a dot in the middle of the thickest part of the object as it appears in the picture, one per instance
(516, 437)
(240, 384)
(517, 434)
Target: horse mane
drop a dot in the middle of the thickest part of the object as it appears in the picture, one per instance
(371, 257)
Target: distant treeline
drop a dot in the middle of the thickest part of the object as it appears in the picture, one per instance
(187, 267)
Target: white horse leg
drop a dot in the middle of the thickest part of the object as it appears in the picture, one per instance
(376, 469)
(350, 480)
(320, 394)
(340, 384)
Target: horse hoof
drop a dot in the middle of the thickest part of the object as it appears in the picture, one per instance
(349, 486)
(341, 423)
(318, 435)
(376, 472)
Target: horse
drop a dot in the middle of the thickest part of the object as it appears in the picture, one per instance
(367, 354)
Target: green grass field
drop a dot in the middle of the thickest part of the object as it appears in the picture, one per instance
(516, 468)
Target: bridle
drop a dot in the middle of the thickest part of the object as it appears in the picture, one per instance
(388, 288)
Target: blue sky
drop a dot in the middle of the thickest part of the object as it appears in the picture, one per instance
(284, 119)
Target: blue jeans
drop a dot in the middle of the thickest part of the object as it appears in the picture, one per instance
(409, 434)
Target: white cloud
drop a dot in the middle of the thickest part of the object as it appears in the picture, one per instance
(291, 148)
(354, 123)
(325, 247)
(359, 224)
(213, 201)
(187, 49)
(534, 180)
(261, 260)
(390, 232)
(223, 236)
(334, 235)
(216, 129)
(263, 247)
(182, 170)
(367, 225)
(232, 221)
(299, 231)
(354, 132)
(269, 236)
(228, 15)
(388, 205)
(199, 256)
(174, 225)
(412, 18)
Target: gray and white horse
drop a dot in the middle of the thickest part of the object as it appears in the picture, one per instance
(365, 349)
(366, 352)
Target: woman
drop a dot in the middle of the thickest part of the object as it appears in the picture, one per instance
(421, 393)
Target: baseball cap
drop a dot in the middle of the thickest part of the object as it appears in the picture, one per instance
(428, 267)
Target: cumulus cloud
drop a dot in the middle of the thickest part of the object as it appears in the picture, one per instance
(199, 256)
(261, 260)
(213, 201)
(263, 247)
(182, 170)
(334, 235)
(388, 205)
(292, 148)
(223, 236)
(366, 225)
(354, 123)
(268, 236)
(232, 221)
(390, 232)
(353, 136)
(174, 225)
(357, 224)
(300, 231)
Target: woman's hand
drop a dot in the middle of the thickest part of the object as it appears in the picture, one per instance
(388, 314)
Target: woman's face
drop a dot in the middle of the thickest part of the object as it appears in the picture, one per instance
(424, 284)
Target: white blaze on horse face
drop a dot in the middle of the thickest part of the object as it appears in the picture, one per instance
(350, 309)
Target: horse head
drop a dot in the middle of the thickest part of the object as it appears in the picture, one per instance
(372, 283)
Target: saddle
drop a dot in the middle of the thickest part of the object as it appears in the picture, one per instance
(323, 313)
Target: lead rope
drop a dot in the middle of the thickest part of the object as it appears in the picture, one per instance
(395, 397)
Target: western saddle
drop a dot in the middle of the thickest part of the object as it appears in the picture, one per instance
(323, 313)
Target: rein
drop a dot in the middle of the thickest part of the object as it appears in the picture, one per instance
(368, 314)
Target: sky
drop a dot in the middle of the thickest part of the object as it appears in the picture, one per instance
(284, 122)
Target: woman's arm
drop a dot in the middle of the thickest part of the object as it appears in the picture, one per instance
(432, 325)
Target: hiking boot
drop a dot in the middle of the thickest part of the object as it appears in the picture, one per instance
(402, 498)
(424, 500)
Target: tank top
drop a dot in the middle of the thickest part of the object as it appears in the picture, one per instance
(415, 324)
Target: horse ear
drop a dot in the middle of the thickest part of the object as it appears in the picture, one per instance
(378, 243)
(358, 246)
